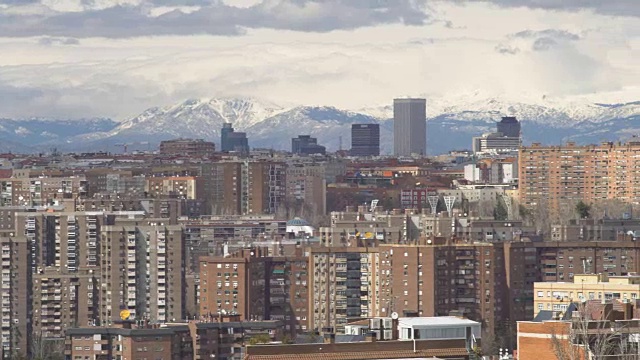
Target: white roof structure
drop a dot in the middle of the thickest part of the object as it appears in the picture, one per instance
(435, 321)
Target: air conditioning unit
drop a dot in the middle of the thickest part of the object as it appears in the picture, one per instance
(374, 324)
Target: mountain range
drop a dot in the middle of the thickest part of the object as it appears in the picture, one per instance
(450, 124)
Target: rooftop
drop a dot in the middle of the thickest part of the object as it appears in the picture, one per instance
(435, 321)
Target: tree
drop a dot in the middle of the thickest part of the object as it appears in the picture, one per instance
(500, 211)
(583, 210)
(43, 348)
(259, 339)
(584, 338)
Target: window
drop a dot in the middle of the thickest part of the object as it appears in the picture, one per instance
(540, 306)
(540, 293)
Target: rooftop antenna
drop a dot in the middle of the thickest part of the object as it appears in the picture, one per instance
(433, 202)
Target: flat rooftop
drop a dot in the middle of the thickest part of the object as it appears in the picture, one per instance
(435, 321)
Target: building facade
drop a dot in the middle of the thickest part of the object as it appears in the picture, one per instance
(365, 140)
(409, 127)
(556, 176)
(197, 148)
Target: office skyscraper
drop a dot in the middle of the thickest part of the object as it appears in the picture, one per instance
(365, 140)
(509, 127)
(230, 140)
(409, 127)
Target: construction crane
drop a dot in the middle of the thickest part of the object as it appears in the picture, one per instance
(125, 146)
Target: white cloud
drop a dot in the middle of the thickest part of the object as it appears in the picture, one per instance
(585, 55)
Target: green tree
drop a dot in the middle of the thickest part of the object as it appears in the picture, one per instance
(259, 339)
(500, 211)
(583, 210)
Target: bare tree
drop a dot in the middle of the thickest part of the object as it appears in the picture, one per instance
(584, 337)
(43, 348)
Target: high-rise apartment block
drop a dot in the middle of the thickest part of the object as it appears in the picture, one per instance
(257, 286)
(16, 327)
(365, 140)
(343, 286)
(409, 127)
(142, 270)
(556, 176)
(247, 187)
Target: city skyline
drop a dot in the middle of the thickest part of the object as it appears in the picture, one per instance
(310, 52)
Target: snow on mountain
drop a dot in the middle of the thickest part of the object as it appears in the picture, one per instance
(451, 123)
(194, 118)
(546, 110)
(328, 124)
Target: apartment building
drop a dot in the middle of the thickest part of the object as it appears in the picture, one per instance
(555, 175)
(63, 300)
(561, 261)
(263, 187)
(193, 148)
(487, 282)
(597, 230)
(245, 187)
(182, 187)
(343, 284)
(257, 285)
(557, 296)
(370, 225)
(122, 341)
(40, 191)
(223, 338)
(142, 270)
(305, 188)
(16, 308)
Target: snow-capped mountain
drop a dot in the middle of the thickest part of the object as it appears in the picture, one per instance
(330, 125)
(451, 124)
(194, 118)
(559, 113)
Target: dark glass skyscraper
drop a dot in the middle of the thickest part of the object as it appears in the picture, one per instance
(509, 127)
(365, 140)
(233, 141)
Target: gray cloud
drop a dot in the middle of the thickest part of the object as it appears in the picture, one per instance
(50, 41)
(548, 33)
(506, 49)
(607, 7)
(543, 44)
(215, 18)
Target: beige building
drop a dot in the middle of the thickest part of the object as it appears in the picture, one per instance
(141, 270)
(15, 307)
(557, 296)
(344, 286)
(559, 175)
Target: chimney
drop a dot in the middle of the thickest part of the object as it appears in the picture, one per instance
(371, 337)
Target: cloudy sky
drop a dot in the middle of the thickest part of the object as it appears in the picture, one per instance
(115, 58)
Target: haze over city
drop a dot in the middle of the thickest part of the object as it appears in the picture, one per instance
(115, 58)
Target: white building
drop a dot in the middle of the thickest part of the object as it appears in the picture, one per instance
(440, 327)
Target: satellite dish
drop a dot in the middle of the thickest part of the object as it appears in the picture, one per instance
(394, 315)
(124, 314)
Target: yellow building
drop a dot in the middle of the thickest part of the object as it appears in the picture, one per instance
(557, 296)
